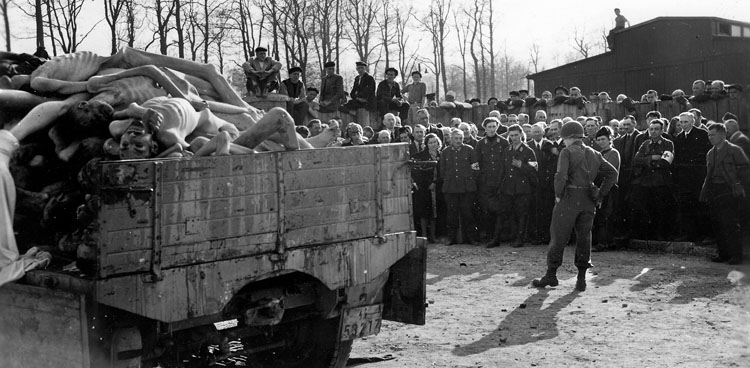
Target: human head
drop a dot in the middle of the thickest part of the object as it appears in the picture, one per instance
(490, 126)
(312, 92)
(590, 127)
(404, 134)
(515, 134)
(514, 95)
(260, 53)
(698, 115)
(398, 120)
(503, 119)
(419, 132)
(572, 130)
(457, 137)
(432, 142)
(687, 121)
(389, 120)
(361, 67)
(391, 74)
(678, 93)
(717, 86)
(617, 11)
(354, 133)
(492, 102)
(526, 129)
(92, 114)
(466, 129)
(655, 128)
(512, 119)
(137, 142)
(728, 115)
(540, 115)
(315, 126)
(495, 114)
(575, 92)
(295, 73)
(603, 137)
(547, 96)
(699, 87)
(423, 117)
(450, 96)
(651, 115)
(384, 136)
(604, 97)
(523, 119)
(615, 125)
(554, 128)
(455, 122)
(523, 93)
(560, 91)
(628, 123)
(537, 132)
(303, 131)
(732, 126)
(717, 133)
(330, 67)
(368, 132)
(652, 96)
(734, 91)
(621, 97)
(416, 76)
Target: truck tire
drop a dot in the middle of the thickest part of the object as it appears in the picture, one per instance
(314, 344)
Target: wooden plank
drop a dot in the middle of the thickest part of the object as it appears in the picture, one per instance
(125, 240)
(300, 199)
(126, 174)
(201, 230)
(40, 328)
(211, 251)
(179, 212)
(329, 233)
(223, 187)
(123, 218)
(334, 157)
(298, 180)
(354, 210)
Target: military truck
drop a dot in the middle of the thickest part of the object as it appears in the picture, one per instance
(282, 258)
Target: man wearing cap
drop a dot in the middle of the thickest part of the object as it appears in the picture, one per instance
(690, 149)
(561, 95)
(389, 98)
(459, 186)
(294, 89)
(724, 190)
(362, 94)
(331, 92)
(489, 152)
(262, 73)
(518, 174)
(577, 168)
(652, 200)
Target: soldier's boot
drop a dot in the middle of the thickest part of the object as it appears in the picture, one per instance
(549, 279)
(498, 233)
(581, 281)
(521, 239)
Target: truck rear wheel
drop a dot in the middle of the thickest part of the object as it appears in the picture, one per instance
(309, 344)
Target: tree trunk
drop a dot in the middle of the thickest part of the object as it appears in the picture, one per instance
(39, 19)
(178, 28)
(5, 4)
(493, 81)
(49, 23)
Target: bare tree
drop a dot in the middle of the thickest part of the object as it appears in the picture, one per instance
(406, 60)
(435, 24)
(112, 10)
(493, 79)
(64, 23)
(475, 15)
(163, 11)
(179, 28)
(462, 33)
(4, 10)
(387, 34)
(324, 33)
(534, 56)
(360, 16)
(39, 20)
(131, 24)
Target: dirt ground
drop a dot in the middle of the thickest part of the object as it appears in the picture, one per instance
(640, 310)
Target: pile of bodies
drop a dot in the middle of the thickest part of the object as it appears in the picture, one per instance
(63, 115)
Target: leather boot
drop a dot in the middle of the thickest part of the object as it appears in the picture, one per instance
(549, 279)
(495, 242)
(581, 281)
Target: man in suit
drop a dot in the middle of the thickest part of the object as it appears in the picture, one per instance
(362, 94)
(417, 144)
(544, 190)
(489, 154)
(690, 148)
(625, 144)
(724, 192)
(261, 73)
(331, 92)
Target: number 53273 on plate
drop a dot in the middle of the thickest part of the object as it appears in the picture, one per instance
(361, 321)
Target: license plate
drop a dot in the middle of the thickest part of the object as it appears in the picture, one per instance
(361, 321)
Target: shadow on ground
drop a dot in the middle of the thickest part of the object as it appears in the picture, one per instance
(528, 323)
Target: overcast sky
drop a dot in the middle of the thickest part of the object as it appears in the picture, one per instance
(550, 23)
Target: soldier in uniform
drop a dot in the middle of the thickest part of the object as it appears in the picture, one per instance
(518, 172)
(489, 153)
(459, 187)
(723, 190)
(652, 196)
(576, 198)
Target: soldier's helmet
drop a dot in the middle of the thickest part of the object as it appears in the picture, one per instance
(572, 129)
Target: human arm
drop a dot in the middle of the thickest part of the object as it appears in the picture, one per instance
(608, 172)
(561, 176)
(45, 114)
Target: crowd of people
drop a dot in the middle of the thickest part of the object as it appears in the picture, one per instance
(495, 182)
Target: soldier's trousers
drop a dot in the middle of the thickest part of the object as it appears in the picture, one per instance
(575, 211)
(460, 206)
(725, 215)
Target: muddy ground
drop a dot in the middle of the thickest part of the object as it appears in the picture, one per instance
(640, 310)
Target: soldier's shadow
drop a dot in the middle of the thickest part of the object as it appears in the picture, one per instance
(523, 325)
